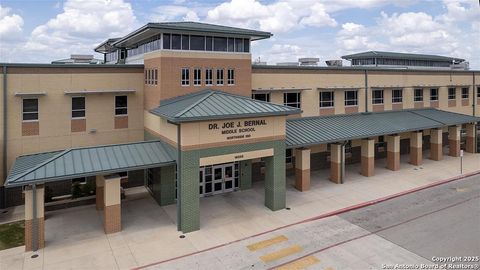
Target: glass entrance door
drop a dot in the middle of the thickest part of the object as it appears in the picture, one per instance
(216, 179)
(218, 176)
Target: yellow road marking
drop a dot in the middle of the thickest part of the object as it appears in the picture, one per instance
(300, 264)
(281, 253)
(461, 189)
(267, 243)
(329, 268)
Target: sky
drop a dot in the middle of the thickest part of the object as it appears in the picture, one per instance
(33, 31)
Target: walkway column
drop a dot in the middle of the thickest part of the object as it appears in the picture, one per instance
(393, 152)
(436, 144)
(470, 146)
(454, 141)
(100, 184)
(416, 151)
(245, 174)
(302, 169)
(337, 159)
(112, 211)
(34, 227)
(275, 182)
(368, 157)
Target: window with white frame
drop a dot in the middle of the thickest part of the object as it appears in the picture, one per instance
(418, 95)
(208, 76)
(377, 96)
(219, 76)
(197, 77)
(261, 96)
(231, 76)
(185, 76)
(465, 93)
(30, 109)
(452, 93)
(146, 76)
(78, 107)
(327, 99)
(434, 94)
(351, 98)
(397, 96)
(155, 76)
(121, 105)
(291, 99)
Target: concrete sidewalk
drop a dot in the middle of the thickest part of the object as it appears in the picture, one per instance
(75, 238)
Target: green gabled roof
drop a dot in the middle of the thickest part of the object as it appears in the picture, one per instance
(89, 161)
(211, 105)
(397, 55)
(336, 128)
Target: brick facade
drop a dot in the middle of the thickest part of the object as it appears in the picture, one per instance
(30, 128)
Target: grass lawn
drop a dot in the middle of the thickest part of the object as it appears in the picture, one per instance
(11, 235)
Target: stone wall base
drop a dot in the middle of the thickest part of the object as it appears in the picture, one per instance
(436, 151)
(335, 173)
(302, 179)
(112, 222)
(393, 160)
(454, 148)
(416, 156)
(368, 166)
(28, 234)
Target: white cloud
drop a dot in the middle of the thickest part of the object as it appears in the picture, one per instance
(319, 17)
(10, 25)
(172, 13)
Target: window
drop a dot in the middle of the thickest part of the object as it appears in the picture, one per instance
(155, 76)
(397, 96)
(291, 99)
(288, 156)
(219, 76)
(208, 76)
(220, 44)
(326, 99)
(146, 76)
(434, 94)
(262, 96)
(197, 77)
(209, 43)
(239, 45)
(231, 76)
(452, 93)
(166, 41)
(464, 93)
(197, 43)
(418, 95)
(185, 77)
(231, 44)
(30, 109)
(246, 45)
(351, 98)
(478, 92)
(121, 106)
(78, 107)
(185, 42)
(377, 97)
(176, 42)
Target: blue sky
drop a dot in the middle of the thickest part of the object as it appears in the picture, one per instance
(42, 31)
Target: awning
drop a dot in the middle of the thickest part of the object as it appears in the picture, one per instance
(310, 131)
(89, 161)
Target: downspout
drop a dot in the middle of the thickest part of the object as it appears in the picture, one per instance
(475, 94)
(179, 164)
(3, 203)
(342, 159)
(34, 219)
(366, 90)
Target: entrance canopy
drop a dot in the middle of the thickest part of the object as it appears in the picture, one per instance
(89, 161)
(309, 131)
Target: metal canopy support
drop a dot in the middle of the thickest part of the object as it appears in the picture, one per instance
(34, 219)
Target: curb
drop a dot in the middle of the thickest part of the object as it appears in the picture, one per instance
(329, 214)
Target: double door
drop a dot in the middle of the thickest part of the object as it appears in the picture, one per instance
(216, 179)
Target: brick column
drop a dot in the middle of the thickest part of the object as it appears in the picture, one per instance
(393, 152)
(368, 157)
(436, 144)
(336, 162)
(112, 211)
(99, 183)
(302, 169)
(275, 181)
(416, 143)
(454, 141)
(29, 221)
(470, 146)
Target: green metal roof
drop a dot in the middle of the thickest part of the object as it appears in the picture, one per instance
(336, 128)
(211, 105)
(396, 55)
(89, 161)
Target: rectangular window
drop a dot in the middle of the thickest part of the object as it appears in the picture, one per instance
(146, 76)
(433, 94)
(262, 97)
(239, 44)
(197, 43)
(377, 97)
(176, 42)
(78, 107)
(209, 43)
(197, 77)
(220, 44)
(149, 76)
(231, 44)
(155, 76)
(288, 156)
(351, 98)
(30, 109)
(291, 99)
(185, 42)
(397, 96)
(230, 76)
(121, 105)
(452, 93)
(219, 76)
(166, 41)
(185, 77)
(464, 93)
(418, 96)
(208, 76)
(478, 92)
(246, 45)
(327, 99)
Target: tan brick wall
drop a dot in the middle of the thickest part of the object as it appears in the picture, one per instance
(40, 231)
(121, 122)
(30, 128)
(78, 125)
(112, 215)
